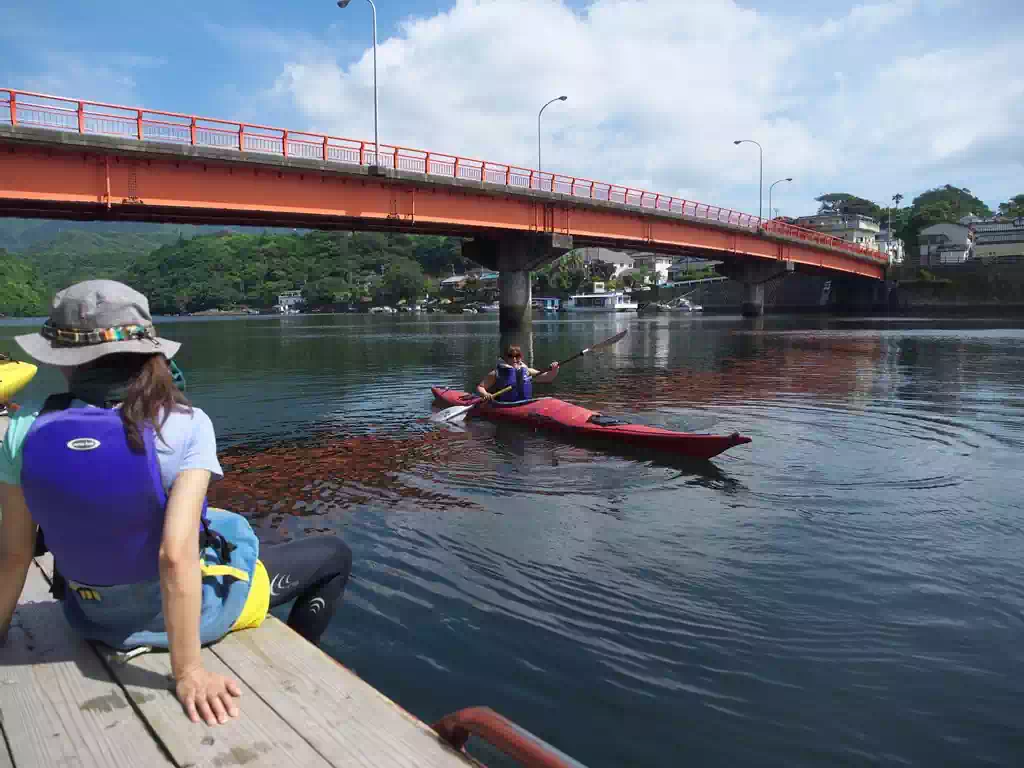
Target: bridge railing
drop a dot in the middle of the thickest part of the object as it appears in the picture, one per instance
(97, 118)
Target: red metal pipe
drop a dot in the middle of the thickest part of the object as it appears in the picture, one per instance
(502, 733)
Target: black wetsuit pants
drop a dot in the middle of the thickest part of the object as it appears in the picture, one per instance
(313, 572)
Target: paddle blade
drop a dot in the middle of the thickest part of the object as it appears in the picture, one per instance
(454, 413)
(607, 342)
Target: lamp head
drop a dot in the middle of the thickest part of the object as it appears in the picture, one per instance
(738, 141)
(789, 179)
(343, 3)
(562, 98)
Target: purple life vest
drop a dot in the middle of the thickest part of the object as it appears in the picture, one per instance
(100, 505)
(518, 378)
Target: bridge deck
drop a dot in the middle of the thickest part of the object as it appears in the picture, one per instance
(63, 702)
(77, 159)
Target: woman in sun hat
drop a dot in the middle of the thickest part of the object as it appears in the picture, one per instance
(115, 472)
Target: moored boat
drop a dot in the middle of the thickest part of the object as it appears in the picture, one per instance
(552, 414)
(613, 301)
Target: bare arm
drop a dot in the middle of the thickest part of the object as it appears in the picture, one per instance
(203, 694)
(17, 543)
(543, 377)
(486, 383)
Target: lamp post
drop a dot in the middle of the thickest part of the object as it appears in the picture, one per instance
(760, 180)
(376, 136)
(559, 98)
(770, 192)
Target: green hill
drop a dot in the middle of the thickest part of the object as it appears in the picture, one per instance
(186, 268)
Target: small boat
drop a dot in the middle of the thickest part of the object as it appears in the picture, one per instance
(492, 307)
(615, 301)
(556, 415)
(14, 375)
(683, 304)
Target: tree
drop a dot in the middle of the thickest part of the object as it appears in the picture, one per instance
(959, 200)
(602, 270)
(845, 203)
(21, 290)
(404, 280)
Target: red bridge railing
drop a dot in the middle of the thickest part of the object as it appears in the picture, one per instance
(96, 118)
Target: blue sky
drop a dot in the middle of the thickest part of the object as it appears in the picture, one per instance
(872, 98)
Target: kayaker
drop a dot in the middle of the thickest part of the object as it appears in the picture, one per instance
(115, 472)
(513, 371)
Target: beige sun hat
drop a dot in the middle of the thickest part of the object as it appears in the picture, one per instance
(95, 318)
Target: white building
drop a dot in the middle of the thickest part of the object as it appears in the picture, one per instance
(288, 303)
(656, 264)
(621, 260)
(890, 246)
(945, 243)
(852, 227)
(998, 237)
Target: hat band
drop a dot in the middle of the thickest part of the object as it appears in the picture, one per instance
(83, 337)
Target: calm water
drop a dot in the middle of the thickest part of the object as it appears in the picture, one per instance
(846, 590)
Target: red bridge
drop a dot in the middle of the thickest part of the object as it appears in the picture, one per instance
(69, 158)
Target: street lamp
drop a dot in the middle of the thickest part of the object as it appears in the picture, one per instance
(560, 98)
(760, 181)
(376, 137)
(770, 193)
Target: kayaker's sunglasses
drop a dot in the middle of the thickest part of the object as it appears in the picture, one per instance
(514, 357)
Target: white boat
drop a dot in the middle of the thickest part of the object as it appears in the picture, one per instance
(492, 307)
(615, 301)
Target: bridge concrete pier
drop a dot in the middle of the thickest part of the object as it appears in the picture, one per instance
(754, 276)
(513, 256)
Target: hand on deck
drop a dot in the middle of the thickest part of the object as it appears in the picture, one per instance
(208, 696)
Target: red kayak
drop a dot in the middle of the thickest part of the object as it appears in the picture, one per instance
(559, 416)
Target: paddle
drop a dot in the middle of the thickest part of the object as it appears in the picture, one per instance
(458, 412)
(594, 348)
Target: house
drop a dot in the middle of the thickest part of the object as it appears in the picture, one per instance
(477, 280)
(453, 283)
(288, 303)
(945, 243)
(851, 227)
(656, 263)
(998, 238)
(621, 260)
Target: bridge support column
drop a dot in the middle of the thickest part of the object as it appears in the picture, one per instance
(513, 256)
(753, 300)
(754, 275)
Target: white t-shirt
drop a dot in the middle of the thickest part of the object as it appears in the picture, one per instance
(188, 442)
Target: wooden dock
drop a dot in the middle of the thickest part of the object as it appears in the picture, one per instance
(64, 702)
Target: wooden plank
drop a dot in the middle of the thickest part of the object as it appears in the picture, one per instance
(344, 718)
(58, 703)
(258, 738)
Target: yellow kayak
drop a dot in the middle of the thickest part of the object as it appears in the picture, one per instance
(13, 376)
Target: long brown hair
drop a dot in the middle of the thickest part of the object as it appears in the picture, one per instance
(149, 390)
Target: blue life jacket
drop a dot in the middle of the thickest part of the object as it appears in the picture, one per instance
(101, 507)
(517, 378)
